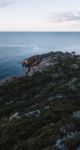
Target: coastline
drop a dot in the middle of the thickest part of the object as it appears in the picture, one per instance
(43, 107)
(37, 63)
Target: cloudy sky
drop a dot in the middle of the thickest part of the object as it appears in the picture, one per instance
(39, 15)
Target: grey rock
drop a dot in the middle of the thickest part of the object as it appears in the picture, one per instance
(76, 114)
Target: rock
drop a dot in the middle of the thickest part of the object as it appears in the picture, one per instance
(56, 97)
(61, 144)
(76, 114)
(16, 115)
(51, 98)
(38, 63)
(59, 96)
(35, 113)
(74, 66)
(47, 107)
(67, 129)
(44, 64)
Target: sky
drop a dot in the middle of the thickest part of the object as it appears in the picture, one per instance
(39, 15)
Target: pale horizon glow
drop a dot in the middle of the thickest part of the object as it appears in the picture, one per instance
(39, 15)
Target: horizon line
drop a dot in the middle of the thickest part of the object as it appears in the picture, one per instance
(38, 31)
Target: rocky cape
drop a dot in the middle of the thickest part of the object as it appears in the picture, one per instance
(41, 110)
(39, 63)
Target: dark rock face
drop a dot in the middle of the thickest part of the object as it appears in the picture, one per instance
(41, 111)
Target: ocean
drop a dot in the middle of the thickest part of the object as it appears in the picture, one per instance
(15, 46)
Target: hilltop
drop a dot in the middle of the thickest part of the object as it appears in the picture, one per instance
(41, 111)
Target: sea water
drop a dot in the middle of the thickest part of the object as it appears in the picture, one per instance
(15, 46)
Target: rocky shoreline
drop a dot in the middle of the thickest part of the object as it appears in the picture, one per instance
(39, 63)
(41, 110)
(27, 63)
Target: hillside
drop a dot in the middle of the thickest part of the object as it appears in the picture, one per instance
(41, 111)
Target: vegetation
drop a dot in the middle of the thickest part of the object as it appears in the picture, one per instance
(37, 111)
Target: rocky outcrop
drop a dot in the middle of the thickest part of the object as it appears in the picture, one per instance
(39, 63)
(15, 115)
(42, 111)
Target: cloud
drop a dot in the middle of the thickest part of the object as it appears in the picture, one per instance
(6, 3)
(64, 17)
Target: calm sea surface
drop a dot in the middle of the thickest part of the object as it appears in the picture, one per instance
(15, 46)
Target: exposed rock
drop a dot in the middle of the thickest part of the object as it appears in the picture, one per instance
(68, 133)
(74, 66)
(16, 115)
(39, 66)
(51, 98)
(35, 113)
(45, 103)
(76, 114)
(47, 107)
(39, 63)
(67, 129)
(56, 97)
(61, 144)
